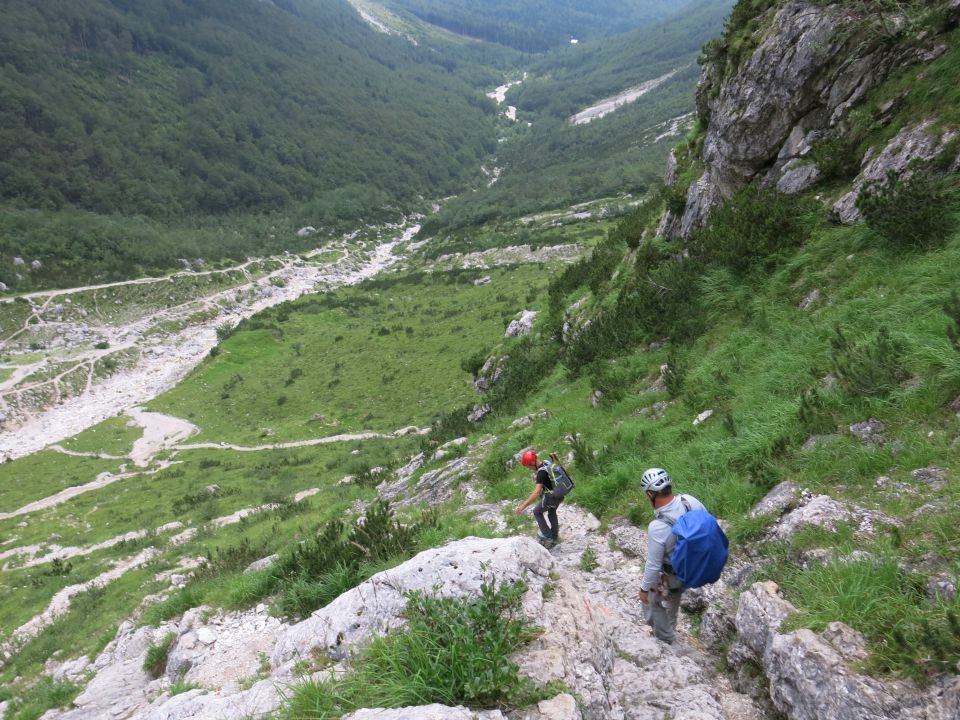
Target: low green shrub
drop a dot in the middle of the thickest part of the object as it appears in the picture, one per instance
(588, 560)
(155, 661)
(755, 229)
(453, 651)
(337, 559)
(867, 369)
(911, 213)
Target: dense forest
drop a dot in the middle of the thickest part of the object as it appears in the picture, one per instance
(215, 106)
(552, 163)
(537, 26)
(135, 133)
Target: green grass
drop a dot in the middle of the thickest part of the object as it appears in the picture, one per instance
(44, 473)
(111, 437)
(45, 695)
(377, 357)
(453, 651)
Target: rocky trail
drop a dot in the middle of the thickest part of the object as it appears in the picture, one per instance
(583, 594)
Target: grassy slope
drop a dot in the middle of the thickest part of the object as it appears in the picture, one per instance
(451, 320)
(375, 358)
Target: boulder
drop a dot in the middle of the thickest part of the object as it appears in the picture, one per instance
(870, 431)
(490, 372)
(522, 325)
(478, 413)
(306, 231)
(935, 477)
(780, 499)
(628, 539)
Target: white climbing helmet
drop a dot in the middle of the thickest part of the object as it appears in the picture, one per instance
(655, 479)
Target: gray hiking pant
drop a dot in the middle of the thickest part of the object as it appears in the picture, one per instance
(548, 506)
(661, 614)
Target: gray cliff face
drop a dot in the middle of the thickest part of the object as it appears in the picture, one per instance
(812, 66)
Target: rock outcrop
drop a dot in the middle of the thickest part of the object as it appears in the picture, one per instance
(811, 65)
(810, 676)
(913, 145)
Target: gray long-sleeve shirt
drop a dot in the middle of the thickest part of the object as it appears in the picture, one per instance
(661, 540)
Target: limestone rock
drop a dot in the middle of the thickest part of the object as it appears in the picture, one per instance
(798, 177)
(779, 500)
(376, 606)
(810, 299)
(869, 431)
(810, 680)
(478, 413)
(306, 231)
(850, 644)
(824, 512)
(934, 477)
(485, 280)
(120, 686)
(810, 68)
(256, 703)
(703, 417)
(528, 420)
(912, 144)
(522, 325)
(760, 612)
(490, 372)
(425, 712)
(227, 648)
(942, 588)
(628, 539)
(261, 564)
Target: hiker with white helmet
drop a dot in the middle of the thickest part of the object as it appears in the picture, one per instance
(552, 483)
(660, 588)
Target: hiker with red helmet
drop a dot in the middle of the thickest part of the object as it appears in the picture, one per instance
(552, 483)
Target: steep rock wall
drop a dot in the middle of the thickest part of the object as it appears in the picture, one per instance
(812, 64)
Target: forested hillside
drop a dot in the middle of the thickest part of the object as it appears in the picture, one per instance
(554, 163)
(537, 26)
(214, 106)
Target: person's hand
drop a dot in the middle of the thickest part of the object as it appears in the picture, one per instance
(518, 510)
(645, 597)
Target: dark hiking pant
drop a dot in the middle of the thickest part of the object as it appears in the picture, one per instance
(548, 506)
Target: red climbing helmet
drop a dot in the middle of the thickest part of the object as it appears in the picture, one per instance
(529, 459)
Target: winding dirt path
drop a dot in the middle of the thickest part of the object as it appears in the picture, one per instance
(165, 361)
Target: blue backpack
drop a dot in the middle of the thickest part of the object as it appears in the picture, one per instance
(701, 549)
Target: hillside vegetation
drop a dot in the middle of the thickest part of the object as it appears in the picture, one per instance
(536, 26)
(554, 164)
(773, 344)
(195, 114)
